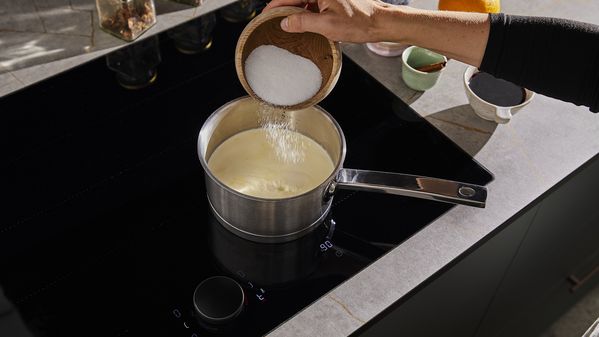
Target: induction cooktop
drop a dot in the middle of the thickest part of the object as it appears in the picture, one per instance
(106, 228)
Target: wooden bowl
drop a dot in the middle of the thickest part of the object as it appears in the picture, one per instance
(265, 29)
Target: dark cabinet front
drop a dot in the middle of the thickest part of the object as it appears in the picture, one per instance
(519, 281)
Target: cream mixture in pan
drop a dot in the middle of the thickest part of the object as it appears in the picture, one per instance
(248, 163)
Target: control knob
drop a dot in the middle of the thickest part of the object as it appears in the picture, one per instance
(218, 300)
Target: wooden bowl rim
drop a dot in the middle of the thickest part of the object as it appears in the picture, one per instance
(272, 14)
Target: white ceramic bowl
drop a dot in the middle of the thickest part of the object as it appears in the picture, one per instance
(489, 111)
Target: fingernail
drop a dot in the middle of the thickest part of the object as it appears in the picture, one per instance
(284, 24)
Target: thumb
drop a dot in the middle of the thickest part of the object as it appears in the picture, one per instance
(302, 22)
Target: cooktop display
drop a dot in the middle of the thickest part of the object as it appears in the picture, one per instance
(106, 229)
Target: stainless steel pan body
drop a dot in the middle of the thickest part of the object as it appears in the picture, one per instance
(279, 220)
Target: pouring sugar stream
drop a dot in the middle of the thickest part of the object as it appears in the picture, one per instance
(285, 72)
(281, 78)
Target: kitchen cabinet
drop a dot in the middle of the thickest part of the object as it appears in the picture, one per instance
(454, 303)
(519, 281)
(563, 240)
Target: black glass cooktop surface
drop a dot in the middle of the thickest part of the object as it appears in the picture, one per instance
(106, 229)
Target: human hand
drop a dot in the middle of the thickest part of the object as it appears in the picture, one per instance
(457, 35)
(339, 20)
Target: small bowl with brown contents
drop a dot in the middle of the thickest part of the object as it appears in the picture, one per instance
(421, 67)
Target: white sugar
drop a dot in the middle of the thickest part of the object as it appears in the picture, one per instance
(288, 145)
(280, 77)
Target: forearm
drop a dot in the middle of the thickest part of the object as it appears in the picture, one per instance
(460, 36)
(554, 57)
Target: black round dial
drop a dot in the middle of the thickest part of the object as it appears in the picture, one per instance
(218, 299)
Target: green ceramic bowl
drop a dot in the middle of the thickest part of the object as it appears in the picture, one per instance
(414, 57)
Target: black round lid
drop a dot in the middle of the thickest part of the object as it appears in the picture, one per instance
(218, 299)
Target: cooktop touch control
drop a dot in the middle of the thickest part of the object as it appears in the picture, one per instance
(218, 300)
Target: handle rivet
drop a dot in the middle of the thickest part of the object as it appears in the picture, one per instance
(466, 191)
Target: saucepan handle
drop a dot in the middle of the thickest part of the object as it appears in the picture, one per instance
(412, 186)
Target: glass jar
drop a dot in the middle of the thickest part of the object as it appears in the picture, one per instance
(126, 19)
(195, 36)
(240, 11)
(136, 65)
(389, 49)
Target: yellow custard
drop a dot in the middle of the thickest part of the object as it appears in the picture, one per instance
(250, 163)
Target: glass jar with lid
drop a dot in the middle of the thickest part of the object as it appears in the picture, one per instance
(126, 19)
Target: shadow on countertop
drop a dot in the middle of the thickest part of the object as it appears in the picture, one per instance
(464, 127)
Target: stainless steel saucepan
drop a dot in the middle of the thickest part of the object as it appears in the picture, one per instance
(279, 220)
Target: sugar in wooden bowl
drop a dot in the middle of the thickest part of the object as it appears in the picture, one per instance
(289, 71)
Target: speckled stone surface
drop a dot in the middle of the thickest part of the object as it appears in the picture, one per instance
(9, 83)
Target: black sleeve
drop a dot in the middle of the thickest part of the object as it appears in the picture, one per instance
(554, 57)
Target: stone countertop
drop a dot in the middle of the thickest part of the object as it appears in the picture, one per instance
(41, 38)
(544, 143)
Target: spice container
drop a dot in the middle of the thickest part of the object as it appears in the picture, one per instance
(195, 36)
(126, 19)
(240, 11)
(135, 65)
